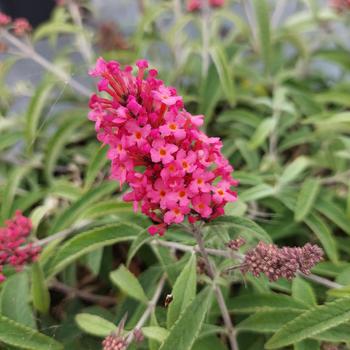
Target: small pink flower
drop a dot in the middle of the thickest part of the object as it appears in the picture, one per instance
(138, 134)
(175, 215)
(4, 19)
(162, 151)
(21, 26)
(201, 181)
(157, 229)
(166, 96)
(201, 204)
(173, 126)
(222, 192)
(186, 161)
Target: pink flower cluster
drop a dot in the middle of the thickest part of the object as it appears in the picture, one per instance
(196, 5)
(156, 146)
(114, 342)
(285, 262)
(340, 5)
(21, 26)
(4, 19)
(14, 249)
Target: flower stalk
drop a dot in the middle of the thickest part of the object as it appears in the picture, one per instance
(29, 52)
(231, 333)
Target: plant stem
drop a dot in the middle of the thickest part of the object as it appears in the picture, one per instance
(321, 280)
(85, 47)
(195, 249)
(219, 296)
(148, 312)
(30, 53)
(75, 292)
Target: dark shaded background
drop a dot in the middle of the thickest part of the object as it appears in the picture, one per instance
(36, 11)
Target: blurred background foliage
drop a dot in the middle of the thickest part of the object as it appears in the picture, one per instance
(271, 78)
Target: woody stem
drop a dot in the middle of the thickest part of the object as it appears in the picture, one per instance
(231, 333)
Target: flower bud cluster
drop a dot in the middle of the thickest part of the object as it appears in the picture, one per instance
(285, 262)
(14, 248)
(20, 26)
(196, 5)
(156, 147)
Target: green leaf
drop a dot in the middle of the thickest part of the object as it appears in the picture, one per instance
(186, 329)
(156, 333)
(54, 28)
(224, 72)
(40, 292)
(311, 323)
(257, 192)
(263, 31)
(35, 110)
(14, 180)
(14, 301)
(294, 169)
(308, 344)
(184, 291)
(244, 224)
(88, 241)
(137, 243)
(76, 209)
(264, 302)
(306, 198)
(301, 290)
(343, 292)
(94, 325)
(262, 132)
(98, 161)
(21, 337)
(128, 283)
(56, 144)
(334, 213)
(267, 321)
(323, 233)
(9, 139)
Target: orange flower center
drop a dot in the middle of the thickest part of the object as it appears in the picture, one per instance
(221, 192)
(162, 152)
(172, 126)
(138, 135)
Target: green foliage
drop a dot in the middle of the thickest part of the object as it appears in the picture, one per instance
(276, 93)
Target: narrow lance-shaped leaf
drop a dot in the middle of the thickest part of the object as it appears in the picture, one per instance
(87, 242)
(264, 36)
(95, 325)
(311, 323)
(306, 199)
(186, 329)
(184, 291)
(128, 283)
(22, 337)
(40, 292)
(225, 73)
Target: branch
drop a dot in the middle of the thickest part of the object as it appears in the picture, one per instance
(321, 280)
(74, 292)
(219, 296)
(84, 45)
(148, 312)
(30, 53)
